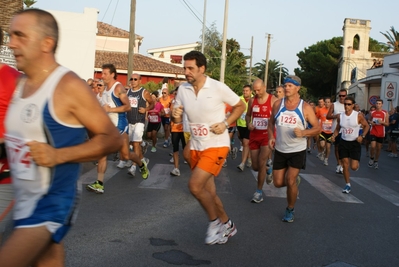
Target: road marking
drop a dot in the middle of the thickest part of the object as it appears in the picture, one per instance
(271, 190)
(381, 190)
(91, 176)
(222, 182)
(160, 177)
(332, 191)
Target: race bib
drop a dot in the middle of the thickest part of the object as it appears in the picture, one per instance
(255, 109)
(21, 163)
(153, 118)
(260, 123)
(288, 121)
(347, 131)
(243, 115)
(167, 110)
(326, 126)
(133, 101)
(199, 131)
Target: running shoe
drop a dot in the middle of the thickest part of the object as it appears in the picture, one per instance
(96, 187)
(171, 154)
(319, 155)
(132, 170)
(269, 163)
(172, 160)
(347, 189)
(257, 198)
(298, 180)
(322, 157)
(241, 167)
(165, 144)
(121, 164)
(146, 160)
(227, 230)
(128, 163)
(325, 162)
(341, 170)
(376, 165)
(213, 232)
(392, 155)
(309, 151)
(241, 148)
(153, 149)
(338, 168)
(145, 172)
(269, 175)
(225, 163)
(144, 147)
(371, 163)
(289, 215)
(175, 172)
(249, 163)
(234, 153)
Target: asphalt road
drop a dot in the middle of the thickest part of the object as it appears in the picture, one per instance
(156, 222)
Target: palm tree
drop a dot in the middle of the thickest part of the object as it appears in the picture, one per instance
(273, 72)
(393, 39)
(29, 3)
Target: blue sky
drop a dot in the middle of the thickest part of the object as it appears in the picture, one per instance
(294, 24)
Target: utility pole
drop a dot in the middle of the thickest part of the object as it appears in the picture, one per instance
(203, 28)
(279, 76)
(267, 58)
(132, 39)
(223, 63)
(250, 60)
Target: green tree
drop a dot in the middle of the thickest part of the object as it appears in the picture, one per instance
(393, 39)
(29, 3)
(273, 72)
(236, 70)
(319, 65)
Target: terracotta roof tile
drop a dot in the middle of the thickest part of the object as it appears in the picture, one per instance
(105, 29)
(141, 63)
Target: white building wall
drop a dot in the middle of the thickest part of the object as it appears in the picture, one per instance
(390, 75)
(77, 40)
(115, 44)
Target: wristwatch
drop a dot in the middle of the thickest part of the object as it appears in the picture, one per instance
(225, 123)
(363, 136)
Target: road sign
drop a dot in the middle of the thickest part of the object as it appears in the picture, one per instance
(373, 99)
(390, 90)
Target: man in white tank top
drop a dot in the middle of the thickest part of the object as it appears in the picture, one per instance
(333, 114)
(290, 117)
(46, 128)
(348, 124)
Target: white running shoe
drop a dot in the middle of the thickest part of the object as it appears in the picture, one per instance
(132, 170)
(241, 148)
(172, 160)
(175, 172)
(227, 230)
(121, 164)
(325, 162)
(213, 233)
(241, 167)
(249, 163)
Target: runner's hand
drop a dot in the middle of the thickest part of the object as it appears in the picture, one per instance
(42, 154)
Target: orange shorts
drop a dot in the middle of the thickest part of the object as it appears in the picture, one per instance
(210, 160)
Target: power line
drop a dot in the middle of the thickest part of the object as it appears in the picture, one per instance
(192, 12)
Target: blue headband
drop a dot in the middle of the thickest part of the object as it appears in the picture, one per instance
(289, 80)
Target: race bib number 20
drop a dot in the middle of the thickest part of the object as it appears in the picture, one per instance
(18, 154)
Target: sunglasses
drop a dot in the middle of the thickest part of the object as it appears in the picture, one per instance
(342, 95)
(164, 93)
(134, 79)
(100, 85)
(347, 104)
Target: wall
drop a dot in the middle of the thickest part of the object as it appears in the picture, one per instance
(76, 48)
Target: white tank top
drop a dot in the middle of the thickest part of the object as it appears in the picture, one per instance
(339, 108)
(108, 99)
(286, 121)
(349, 126)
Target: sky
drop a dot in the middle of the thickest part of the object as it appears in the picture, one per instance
(293, 24)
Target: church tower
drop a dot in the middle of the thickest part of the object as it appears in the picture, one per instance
(355, 58)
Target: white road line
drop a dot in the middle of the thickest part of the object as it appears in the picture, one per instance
(160, 177)
(381, 190)
(332, 191)
(91, 176)
(222, 182)
(271, 190)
